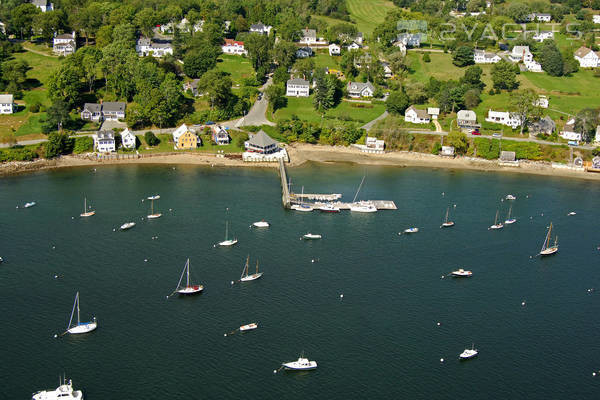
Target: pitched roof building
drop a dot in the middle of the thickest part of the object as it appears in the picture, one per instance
(261, 143)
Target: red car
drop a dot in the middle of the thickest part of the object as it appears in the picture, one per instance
(477, 133)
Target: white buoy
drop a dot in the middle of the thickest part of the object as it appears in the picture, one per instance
(167, 297)
(145, 260)
(442, 277)
(170, 209)
(274, 371)
(55, 335)
(441, 360)
(224, 334)
(313, 260)
(523, 304)
(593, 373)
(341, 296)
(114, 230)
(232, 282)
(439, 323)
(72, 217)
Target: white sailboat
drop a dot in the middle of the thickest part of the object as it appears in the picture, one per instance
(64, 391)
(188, 288)
(510, 220)
(302, 206)
(29, 204)
(496, 224)
(446, 223)
(245, 276)
(80, 327)
(362, 206)
(152, 214)
(546, 248)
(85, 212)
(227, 241)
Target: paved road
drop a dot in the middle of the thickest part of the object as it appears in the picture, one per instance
(370, 124)
(256, 115)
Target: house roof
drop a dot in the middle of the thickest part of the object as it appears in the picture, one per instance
(65, 36)
(508, 156)
(309, 33)
(519, 50)
(582, 52)
(466, 115)
(180, 131)
(259, 27)
(114, 106)
(422, 114)
(231, 42)
(433, 111)
(92, 107)
(297, 81)
(40, 2)
(6, 98)
(127, 132)
(110, 135)
(261, 139)
(360, 86)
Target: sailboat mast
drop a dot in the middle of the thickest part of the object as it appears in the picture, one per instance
(509, 211)
(359, 186)
(187, 265)
(152, 206)
(545, 245)
(78, 321)
(226, 229)
(447, 211)
(85, 204)
(496, 219)
(257, 266)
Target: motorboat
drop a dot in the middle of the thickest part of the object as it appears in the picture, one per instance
(302, 207)
(86, 212)
(363, 207)
(510, 197)
(30, 204)
(496, 224)
(127, 225)
(248, 327)
(302, 364)
(411, 230)
(329, 208)
(461, 273)
(572, 213)
(249, 277)
(63, 392)
(468, 353)
(311, 236)
(187, 288)
(261, 224)
(153, 215)
(548, 249)
(80, 327)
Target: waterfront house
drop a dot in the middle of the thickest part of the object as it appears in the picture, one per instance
(220, 135)
(297, 88)
(7, 104)
(309, 36)
(43, 5)
(416, 116)
(521, 53)
(185, 139)
(304, 52)
(569, 132)
(508, 158)
(192, 86)
(433, 112)
(64, 44)
(504, 118)
(234, 47)
(110, 110)
(261, 28)
(544, 126)
(104, 141)
(128, 139)
(587, 58)
(484, 57)
(467, 120)
(153, 47)
(261, 143)
(334, 49)
(359, 89)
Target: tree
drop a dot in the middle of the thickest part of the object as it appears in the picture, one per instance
(463, 56)
(458, 140)
(451, 96)
(276, 95)
(199, 60)
(217, 87)
(397, 102)
(397, 63)
(472, 77)
(518, 11)
(570, 64)
(416, 92)
(325, 91)
(586, 122)
(472, 98)
(58, 143)
(284, 53)
(304, 67)
(48, 23)
(522, 103)
(504, 76)
(146, 20)
(15, 71)
(22, 18)
(259, 49)
(65, 84)
(551, 59)
(151, 139)
(57, 116)
(281, 75)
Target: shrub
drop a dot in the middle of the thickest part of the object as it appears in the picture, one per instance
(35, 107)
(83, 144)
(426, 58)
(151, 139)
(17, 154)
(437, 147)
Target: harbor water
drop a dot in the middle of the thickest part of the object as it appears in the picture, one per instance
(535, 321)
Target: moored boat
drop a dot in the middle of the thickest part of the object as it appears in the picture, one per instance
(152, 214)
(248, 327)
(63, 392)
(447, 223)
(363, 207)
(548, 249)
(311, 236)
(461, 273)
(411, 230)
(261, 224)
(188, 288)
(510, 197)
(80, 327)
(510, 220)
(85, 212)
(496, 224)
(329, 208)
(302, 364)
(227, 241)
(250, 277)
(468, 353)
(29, 204)
(127, 225)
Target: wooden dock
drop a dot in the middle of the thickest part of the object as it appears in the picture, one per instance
(380, 204)
(285, 189)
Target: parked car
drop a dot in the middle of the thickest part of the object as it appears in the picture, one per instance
(475, 132)
(573, 143)
(497, 135)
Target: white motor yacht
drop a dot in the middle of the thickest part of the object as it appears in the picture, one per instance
(461, 273)
(302, 364)
(311, 236)
(127, 225)
(261, 224)
(468, 353)
(30, 204)
(363, 207)
(510, 197)
(63, 392)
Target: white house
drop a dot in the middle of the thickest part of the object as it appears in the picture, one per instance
(521, 53)
(484, 57)
(359, 89)
(261, 28)
(309, 36)
(220, 135)
(401, 46)
(374, 143)
(153, 47)
(128, 139)
(533, 66)
(409, 39)
(359, 38)
(353, 46)
(334, 49)
(543, 35)
(542, 17)
(387, 70)
(297, 88)
(597, 137)
(64, 44)
(43, 5)
(185, 26)
(416, 116)
(261, 143)
(504, 118)
(541, 102)
(587, 58)
(7, 104)
(104, 141)
(433, 112)
(467, 120)
(596, 19)
(234, 47)
(568, 131)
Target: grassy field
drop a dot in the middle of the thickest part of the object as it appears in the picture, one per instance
(237, 66)
(323, 59)
(368, 13)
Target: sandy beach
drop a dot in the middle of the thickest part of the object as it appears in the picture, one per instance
(301, 153)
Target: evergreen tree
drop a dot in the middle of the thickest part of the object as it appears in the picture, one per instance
(551, 59)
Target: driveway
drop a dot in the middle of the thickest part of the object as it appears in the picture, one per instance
(108, 125)
(256, 115)
(438, 127)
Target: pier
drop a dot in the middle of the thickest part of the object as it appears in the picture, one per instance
(285, 189)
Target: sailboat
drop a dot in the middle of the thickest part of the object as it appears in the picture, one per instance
(187, 289)
(546, 249)
(362, 206)
(80, 327)
(245, 277)
(496, 224)
(447, 223)
(227, 241)
(302, 206)
(153, 215)
(85, 212)
(510, 220)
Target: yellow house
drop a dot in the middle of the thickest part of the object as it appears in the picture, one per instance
(185, 139)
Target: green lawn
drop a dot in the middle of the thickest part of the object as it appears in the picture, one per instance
(166, 145)
(323, 59)
(237, 66)
(367, 14)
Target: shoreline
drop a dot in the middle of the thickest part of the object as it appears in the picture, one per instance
(300, 154)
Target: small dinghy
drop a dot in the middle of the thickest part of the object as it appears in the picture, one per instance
(127, 225)
(411, 230)
(248, 327)
(311, 236)
(572, 213)
(261, 224)
(510, 197)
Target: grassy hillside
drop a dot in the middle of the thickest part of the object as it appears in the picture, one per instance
(368, 13)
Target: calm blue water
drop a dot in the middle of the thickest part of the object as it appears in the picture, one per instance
(380, 341)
